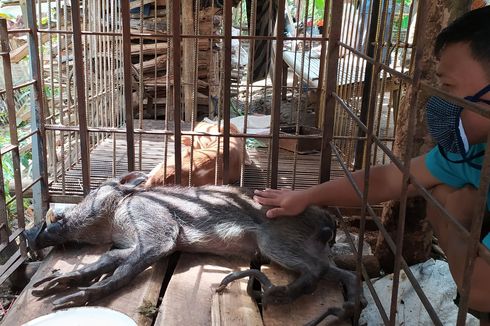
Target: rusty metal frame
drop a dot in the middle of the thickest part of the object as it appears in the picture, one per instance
(127, 83)
(336, 98)
(473, 236)
(7, 237)
(40, 190)
(81, 101)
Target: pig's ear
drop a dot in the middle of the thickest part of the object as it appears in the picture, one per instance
(133, 179)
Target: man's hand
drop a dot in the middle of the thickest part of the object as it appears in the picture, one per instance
(287, 202)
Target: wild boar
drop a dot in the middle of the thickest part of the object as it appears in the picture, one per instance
(144, 225)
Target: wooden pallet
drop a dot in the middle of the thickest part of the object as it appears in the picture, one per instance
(188, 297)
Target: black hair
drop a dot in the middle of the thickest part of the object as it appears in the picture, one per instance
(472, 28)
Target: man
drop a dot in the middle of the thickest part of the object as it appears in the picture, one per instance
(451, 170)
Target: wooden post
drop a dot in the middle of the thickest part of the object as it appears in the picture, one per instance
(188, 58)
(128, 92)
(169, 105)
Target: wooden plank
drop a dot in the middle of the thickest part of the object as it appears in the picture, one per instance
(304, 66)
(22, 51)
(144, 290)
(150, 49)
(305, 308)
(188, 59)
(139, 299)
(234, 307)
(157, 63)
(149, 24)
(191, 292)
(139, 3)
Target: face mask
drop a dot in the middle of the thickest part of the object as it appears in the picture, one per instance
(445, 126)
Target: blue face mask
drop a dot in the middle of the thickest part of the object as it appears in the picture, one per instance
(445, 126)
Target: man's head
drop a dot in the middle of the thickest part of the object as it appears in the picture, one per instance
(463, 50)
(471, 29)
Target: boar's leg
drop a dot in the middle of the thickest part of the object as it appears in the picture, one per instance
(349, 281)
(125, 264)
(308, 266)
(122, 276)
(296, 257)
(252, 273)
(143, 256)
(58, 282)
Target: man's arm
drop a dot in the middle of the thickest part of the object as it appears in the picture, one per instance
(385, 183)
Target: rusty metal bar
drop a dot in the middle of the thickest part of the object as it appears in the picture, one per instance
(243, 148)
(128, 105)
(81, 102)
(4, 231)
(352, 245)
(176, 87)
(422, 191)
(474, 240)
(475, 107)
(364, 148)
(364, 128)
(301, 79)
(406, 169)
(185, 36)
(112, 67)
(19, 30)
(195, 133)
(13, 262)
(368, 80)
(16, 87)
(389, 241)
(14, 140)
(141, 89)
(23, 190)
(11, 238)
(29, 186)
(323, 53)
(227, 90)
(276, 93)
(8, 148)
(40, 191)
(330, 86)
(60, 95)
(482, 250)
(32, 133)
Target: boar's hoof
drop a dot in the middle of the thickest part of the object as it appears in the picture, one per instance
(79, 298)
(335, 311)
(56, 282)
(277, 295)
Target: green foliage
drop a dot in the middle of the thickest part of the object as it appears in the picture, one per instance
(320, 5)
(240, 17)
(8, 174)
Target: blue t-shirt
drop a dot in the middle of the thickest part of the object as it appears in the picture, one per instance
(457, 175)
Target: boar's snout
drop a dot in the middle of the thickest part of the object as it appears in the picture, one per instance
(43, 235)
(32, 235)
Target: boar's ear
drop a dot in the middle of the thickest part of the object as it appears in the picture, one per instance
(133, 179)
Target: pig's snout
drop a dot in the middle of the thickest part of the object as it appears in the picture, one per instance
(32, 235)
(43, 235)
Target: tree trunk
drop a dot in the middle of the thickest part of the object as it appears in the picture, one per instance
(418, 234)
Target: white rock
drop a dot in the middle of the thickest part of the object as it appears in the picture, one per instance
(436, 282)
